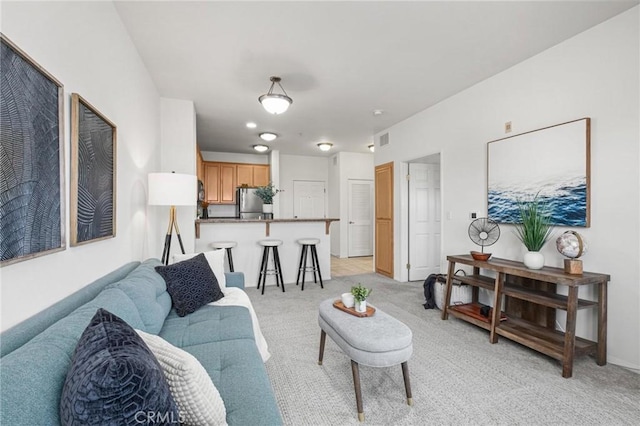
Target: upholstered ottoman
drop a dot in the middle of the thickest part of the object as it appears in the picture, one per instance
(376, 341)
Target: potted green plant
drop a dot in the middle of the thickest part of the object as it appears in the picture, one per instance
(266, 194)
(360, 296)
(534, 230)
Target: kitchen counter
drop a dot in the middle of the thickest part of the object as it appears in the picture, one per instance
(247, 255)
(267, 222)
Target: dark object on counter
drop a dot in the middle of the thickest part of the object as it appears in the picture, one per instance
(205, 213)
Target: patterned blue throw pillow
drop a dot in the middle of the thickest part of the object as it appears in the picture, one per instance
(191, 284)
(114, 379)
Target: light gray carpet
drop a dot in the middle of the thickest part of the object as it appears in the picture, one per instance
(457, 376)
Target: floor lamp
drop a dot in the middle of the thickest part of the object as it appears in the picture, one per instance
(172, 189)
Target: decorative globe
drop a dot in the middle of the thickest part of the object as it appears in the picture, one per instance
(571, 244)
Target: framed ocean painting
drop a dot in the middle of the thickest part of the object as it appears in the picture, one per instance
(552, 162)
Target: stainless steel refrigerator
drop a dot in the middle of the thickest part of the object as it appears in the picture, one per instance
(248, 204)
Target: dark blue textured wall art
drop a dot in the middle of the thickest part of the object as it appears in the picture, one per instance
(93, 174)
(31, 158)
(553, 162)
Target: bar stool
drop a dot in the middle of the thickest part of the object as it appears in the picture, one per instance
(264, 271)
(309, 243)
(228, 245)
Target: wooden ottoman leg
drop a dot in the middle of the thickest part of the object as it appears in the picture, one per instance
(356, 385)
(407, 383)
(323, 337)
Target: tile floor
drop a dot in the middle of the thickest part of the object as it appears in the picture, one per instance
(351, 266)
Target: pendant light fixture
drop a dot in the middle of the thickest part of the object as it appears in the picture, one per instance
(275, 103)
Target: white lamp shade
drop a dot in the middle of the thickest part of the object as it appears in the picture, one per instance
(275, 104)
(172, 189)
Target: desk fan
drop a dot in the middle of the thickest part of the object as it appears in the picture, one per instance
(484, 232)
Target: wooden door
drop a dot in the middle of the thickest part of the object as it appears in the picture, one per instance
(260, 175)
(212, 182)
(227, 183)
(384, 219)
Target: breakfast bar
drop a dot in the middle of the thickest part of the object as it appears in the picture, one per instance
(248, 253)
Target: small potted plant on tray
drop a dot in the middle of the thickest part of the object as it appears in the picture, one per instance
(360, 296)
(534, 230)
(266, 194)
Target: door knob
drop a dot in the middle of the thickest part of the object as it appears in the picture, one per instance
(351, 222)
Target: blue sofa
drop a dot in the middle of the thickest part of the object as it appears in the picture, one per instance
(36, 354)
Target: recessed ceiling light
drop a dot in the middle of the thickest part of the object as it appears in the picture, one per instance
(261, 148)
(268, 136)
(251, 125)
(325, 146)
(372, 148)
(378, 112)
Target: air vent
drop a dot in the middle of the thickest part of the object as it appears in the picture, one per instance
(384, 139)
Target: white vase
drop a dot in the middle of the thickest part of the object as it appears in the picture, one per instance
(361, 306)
(533, 260)
(267, 208)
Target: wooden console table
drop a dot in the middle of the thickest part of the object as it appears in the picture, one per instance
(530, 304)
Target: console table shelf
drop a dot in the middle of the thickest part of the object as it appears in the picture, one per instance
(530, 303)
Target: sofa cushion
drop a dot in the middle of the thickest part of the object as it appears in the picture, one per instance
(113, 377)
(216, 263)
(191, 284)
(236, 368)
(195, 394)
(208, 324)
(148, 291)
(36, 371)
(222, 339)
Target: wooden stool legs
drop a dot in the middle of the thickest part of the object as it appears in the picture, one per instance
(323, 337)
(356, 385)
(407, 383)
(356, 378)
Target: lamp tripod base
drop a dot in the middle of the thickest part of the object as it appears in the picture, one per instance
(173, 224)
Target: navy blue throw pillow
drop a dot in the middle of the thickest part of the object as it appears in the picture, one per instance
(191, 284)
(114, 378)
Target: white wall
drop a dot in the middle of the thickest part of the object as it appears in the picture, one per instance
(594, 74)
(333, 188)
(85, 46)
(298, 167)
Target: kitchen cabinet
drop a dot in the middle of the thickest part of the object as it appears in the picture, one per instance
(220, 182)
(252, 174)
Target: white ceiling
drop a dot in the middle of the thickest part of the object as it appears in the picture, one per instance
(339, 61)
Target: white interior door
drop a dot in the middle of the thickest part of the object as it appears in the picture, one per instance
(424, 220)
(309, 199)
(360, 229)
